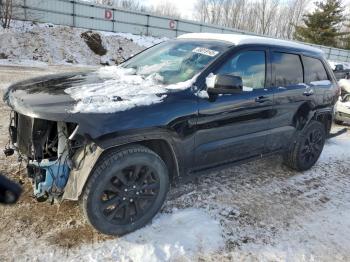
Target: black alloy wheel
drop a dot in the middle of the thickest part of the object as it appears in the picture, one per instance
(125, 190)
(312, 147)
(129, 194)
(307, 146)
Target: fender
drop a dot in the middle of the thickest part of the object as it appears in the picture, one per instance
(134, 136)
(172, 139)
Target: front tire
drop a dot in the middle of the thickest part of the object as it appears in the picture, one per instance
(307, 147)
(125, 190)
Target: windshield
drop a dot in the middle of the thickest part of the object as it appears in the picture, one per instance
(176, 61)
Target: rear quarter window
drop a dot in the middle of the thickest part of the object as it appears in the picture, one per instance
(314, 70)
(288, 69)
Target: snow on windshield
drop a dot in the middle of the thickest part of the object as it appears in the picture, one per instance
(122, 89)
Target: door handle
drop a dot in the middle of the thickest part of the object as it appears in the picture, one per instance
(309, 92)
(262, 99)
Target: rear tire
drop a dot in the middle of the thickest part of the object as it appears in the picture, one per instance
(307, 147)
(125, 191)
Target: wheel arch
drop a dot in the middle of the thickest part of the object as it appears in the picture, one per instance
(161, 146)
(306, 113)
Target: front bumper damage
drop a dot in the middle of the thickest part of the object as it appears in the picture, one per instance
(58, 160)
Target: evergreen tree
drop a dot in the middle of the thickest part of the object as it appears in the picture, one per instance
(322, 26)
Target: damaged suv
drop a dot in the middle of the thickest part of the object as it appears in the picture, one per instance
(115, 138)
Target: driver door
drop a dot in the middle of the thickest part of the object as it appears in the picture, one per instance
(233, 127)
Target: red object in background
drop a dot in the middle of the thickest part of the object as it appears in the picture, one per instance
(108, 14)
(172, 24)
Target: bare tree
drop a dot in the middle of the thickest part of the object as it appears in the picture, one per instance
(133, 5)
(265, 12)
(166, 8)
(270, 17)
(6, 8)
(289, 16)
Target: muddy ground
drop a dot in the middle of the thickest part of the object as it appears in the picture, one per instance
(267, 211)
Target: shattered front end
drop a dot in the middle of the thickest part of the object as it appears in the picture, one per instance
(47, 147)
(49, 177)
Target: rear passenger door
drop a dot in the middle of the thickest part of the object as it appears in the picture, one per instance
(316, 78)
(290, 93)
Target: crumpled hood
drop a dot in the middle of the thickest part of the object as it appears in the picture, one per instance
(96, 100)
(107, 90)
(44, 97)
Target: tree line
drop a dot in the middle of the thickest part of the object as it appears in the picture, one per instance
(323, 22)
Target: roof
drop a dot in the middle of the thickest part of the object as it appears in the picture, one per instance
(240, 39)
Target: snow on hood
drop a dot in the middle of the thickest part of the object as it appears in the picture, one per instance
(122, 89)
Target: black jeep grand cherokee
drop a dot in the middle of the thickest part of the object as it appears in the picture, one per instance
(116, 137)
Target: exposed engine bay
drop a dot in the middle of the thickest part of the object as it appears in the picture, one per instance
(47, 147)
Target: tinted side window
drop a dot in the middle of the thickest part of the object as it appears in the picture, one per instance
(314, 70)
(249, 65)
(288, 69)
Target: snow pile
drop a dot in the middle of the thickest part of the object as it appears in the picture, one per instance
(183, 235)
(345, 85)
(122, 89)
(141, 40)
(336, 149)
(53, 44)
(179, 236)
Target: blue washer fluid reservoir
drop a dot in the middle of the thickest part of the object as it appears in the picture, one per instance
(56, 176)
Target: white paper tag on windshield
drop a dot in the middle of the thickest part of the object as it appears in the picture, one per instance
(205, 51)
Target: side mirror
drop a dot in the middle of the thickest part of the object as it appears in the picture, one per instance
(226, 84)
